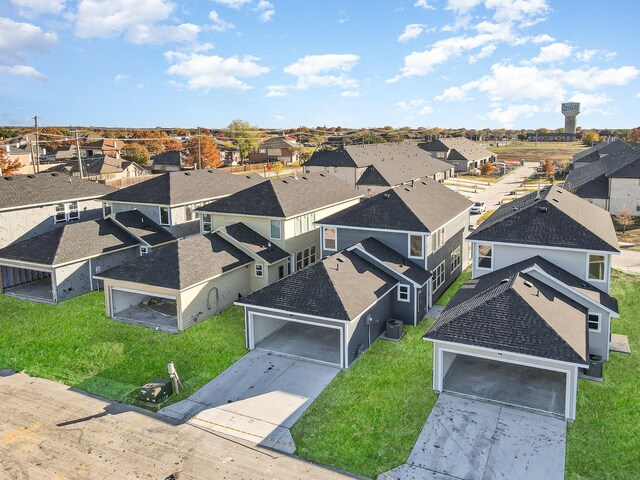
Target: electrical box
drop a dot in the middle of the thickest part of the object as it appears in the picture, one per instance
(156, 391)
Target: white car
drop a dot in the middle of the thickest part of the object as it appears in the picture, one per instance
(477, 208)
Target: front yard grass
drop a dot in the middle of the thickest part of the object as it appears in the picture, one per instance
(75, 343)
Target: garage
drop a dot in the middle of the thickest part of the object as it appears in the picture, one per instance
(27, 283)
(300, 338)
(144, 308)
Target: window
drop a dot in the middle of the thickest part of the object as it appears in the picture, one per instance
(188, 213)
(258, 270)
(107, 208)
(330, 239)
(281, 271)
(304, 223)
(638, 205)
(66, 211)
(276, 230)
(403, 293)
(305, 258)
(596, 267)
(416, 246)
(438, 276)
(440, 155)
(164, 216)
(594, 322)
(455, 259)
(485, 256)
(144, 249)
(206, 222)
(437, 239)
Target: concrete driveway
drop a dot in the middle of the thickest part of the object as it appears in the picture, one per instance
(628, 260)
(477, 440)
(258, 398)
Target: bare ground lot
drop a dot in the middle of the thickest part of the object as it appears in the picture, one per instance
(542, 151)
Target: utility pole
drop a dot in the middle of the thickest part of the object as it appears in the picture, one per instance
(199, 159)
(80, 169)
(36, 161)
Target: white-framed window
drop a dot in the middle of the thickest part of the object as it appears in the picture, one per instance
(64, 212)
(276, 229)
(188, 213)
(305, 257)
(440, 155)
(403, 293)
(455, 258)
(107, 208)
(595, 322)
(330, 236)
(438, 276)
(437, 239)
(144, 250)
(596, 267)
(416, 246)
(485, 257)
(312, 253)
(304, 223)
(207, 222)
(165, 216)
(259, 270)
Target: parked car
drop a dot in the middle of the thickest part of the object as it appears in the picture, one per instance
(477, 208)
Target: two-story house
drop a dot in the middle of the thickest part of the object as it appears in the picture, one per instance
(34, 204)
(460, 152)
(284, 211)
(537, 313)
(170, 199)
(276, 149)
(373, 168)
(383, 259)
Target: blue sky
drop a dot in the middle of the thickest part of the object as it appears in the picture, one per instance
(275, 63)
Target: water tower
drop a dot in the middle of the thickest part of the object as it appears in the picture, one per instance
(570, 111)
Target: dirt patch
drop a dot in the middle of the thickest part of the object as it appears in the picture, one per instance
(531, 152)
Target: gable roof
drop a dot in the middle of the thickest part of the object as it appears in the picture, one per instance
(96, 165)
(558, 219)
(69, 243)
(286, 197)
(182, 264)
(424, 207)
(170, 157)
(142, 227)
(391, 259)
(278, 142)
(593, 153)
(179, 188)
(341, 287)
(518, 314)
(462, 148)
(46, 189)
(254, 242)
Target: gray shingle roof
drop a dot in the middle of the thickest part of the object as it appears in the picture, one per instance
(255, 242)
(593, 153)
(46, 188)
(182, 264)
(341, 287)
(142, 227)
(69, 243)
(179, 188)
(558, 219)
(170, 157)
(518, 314)
(392, 260)
(422, 208)
(286, 197)
(465, 148)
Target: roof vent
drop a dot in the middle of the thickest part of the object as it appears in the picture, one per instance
(340, 260)
(284, 181)
(386, 195)
(407, 189)
(322, 174)
(54, 174)
(210, 171)
(528, 283)
(304, 178)
(8, 178)
(556, 200)
(503, 281)
(187, 173)
(543, 209)
(31, 176)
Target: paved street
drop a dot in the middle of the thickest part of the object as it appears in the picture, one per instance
(48, 430)
(628, 260)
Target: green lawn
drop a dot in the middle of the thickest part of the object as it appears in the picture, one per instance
(454, 287)
(75, 343)
(369, 417)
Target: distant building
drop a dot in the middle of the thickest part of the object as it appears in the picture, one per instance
(276, 149)
(462, 153)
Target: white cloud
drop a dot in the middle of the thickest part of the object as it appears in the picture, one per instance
(453, 94)
(587, 55)
(34, 8)
(212, 71)
(462, 7)
(219, 25)
(554, 52)
(484, 52)
(277, 91)
(423, 4)
(140, 85)
(596, 77)
(26, 71)
(18, 38)
(411, 32)
(518, 10)
(589, 101)
(237, 4)
(350, 93)
(265, 10)
(506, 116)
(637, 95)
(418, 105)
(544, 38)
(120, 77)
(137, 20)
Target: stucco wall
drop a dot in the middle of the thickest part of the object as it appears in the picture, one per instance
(625, 193)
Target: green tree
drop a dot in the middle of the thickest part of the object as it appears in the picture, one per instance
(277, 168)
(590, 138)
(244, 136)
(136, 152)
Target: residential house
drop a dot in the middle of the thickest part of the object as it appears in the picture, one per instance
(34, 204)
(171, 198)
(20, 152)
(102, 168)
(373, 168)
(103, 146)
(593, 153)
(537, 313)
(425, 223)
(460, 152)
(170, 161)
(229, 154)
(284, 211)
(276, 149)
(611, 181)
(192, 279)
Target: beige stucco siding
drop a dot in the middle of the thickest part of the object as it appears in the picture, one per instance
(625, 193)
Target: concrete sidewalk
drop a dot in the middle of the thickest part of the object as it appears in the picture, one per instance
(477, 440)
(48, 430)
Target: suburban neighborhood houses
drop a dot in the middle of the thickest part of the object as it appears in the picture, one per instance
(407, 251)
